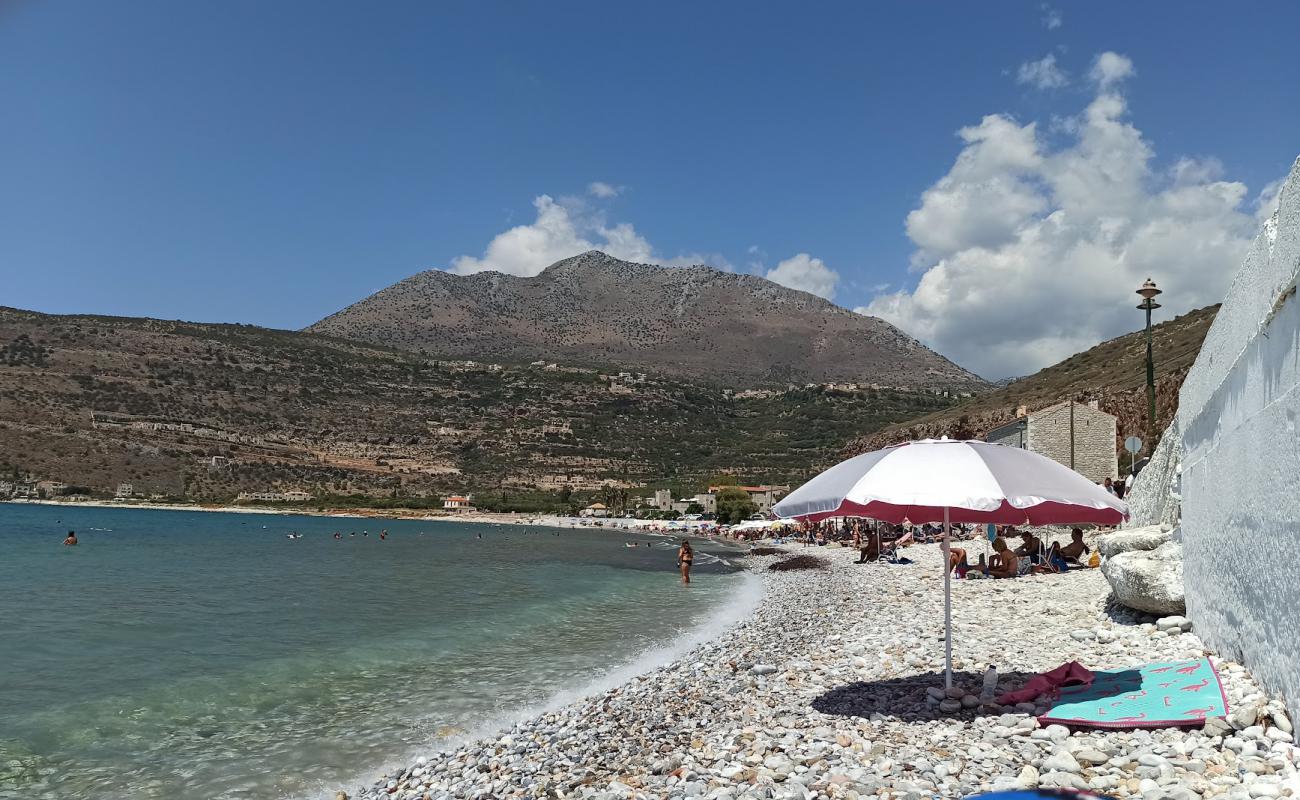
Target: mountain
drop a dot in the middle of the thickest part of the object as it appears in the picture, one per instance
(202, 412)
(695, 323)
(1113, 373)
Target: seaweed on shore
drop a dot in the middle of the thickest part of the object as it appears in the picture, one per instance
(766, 551)
(801, 562)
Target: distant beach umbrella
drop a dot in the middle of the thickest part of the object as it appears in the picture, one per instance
(944, 480)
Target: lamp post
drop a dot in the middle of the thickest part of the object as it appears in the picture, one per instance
(1149, 304)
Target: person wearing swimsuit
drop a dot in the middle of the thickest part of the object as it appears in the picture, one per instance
(684, 558)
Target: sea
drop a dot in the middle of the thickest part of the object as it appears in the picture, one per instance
(209, 654)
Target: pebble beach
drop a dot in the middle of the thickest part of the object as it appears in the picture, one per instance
(833, 688)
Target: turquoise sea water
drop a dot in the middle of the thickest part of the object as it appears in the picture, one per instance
(204, 654)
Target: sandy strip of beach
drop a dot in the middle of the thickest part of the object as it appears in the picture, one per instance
(822, 693)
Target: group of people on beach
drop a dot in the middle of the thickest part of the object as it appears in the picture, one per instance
(1032, 556)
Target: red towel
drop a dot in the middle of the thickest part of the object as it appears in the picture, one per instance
(1071, 674)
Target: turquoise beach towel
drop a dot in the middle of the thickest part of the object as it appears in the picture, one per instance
(1178, 693)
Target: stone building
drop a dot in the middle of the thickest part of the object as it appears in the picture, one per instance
(1079, 435)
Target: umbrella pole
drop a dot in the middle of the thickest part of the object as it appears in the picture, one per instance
(947, 604)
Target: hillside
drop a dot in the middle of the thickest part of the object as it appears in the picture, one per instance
(201, 412)
(697, 324)
(1113, 372)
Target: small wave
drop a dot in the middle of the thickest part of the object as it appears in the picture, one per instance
(739, 604)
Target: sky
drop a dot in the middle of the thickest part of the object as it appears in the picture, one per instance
(995, 178)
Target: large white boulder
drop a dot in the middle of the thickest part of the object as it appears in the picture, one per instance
(1148, 580)
(1148, 537)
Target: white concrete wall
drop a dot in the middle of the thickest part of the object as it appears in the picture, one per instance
(1239, 411)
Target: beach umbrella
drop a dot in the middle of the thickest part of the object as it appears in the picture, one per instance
(946, 480)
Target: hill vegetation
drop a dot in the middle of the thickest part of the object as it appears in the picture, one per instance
(204, 412)
(1113, 373)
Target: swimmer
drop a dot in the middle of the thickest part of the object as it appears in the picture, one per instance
(71, 540)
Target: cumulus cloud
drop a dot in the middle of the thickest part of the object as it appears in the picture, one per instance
(565, 228)
(603, 190)
(1052, 18)
(805, 273)
(1030, 248)
(1110, 68)
(1042, 74)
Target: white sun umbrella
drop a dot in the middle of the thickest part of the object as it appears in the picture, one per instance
(943, 480)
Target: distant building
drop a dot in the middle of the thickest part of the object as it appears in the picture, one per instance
(763, 497)
(296, 496)
(1079, 435)
(708, 502)
(595, 510)
(124, 490)
(458, 504)
(663, 499)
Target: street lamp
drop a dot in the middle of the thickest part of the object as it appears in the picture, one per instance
(1149, 304)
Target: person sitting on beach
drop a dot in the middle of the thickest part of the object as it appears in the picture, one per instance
(1003, 564)
(71, 539)
(1076, 549)
(1031, 547)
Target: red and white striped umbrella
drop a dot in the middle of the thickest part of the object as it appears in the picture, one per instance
(943, 480)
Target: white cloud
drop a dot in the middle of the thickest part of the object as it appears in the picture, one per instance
(1110, 68)
(1042, 74)
(805, 273)
(1031, 252)
(603, 190)
(1052, 18)
(565, 228)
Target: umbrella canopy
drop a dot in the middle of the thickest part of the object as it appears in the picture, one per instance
(974, 481)
(947, 480)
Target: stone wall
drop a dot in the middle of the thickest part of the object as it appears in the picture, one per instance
(1238, 417)
(1094, 439)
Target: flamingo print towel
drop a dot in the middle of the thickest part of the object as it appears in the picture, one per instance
(1165, 695)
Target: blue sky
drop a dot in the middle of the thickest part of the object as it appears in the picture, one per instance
(271, 163)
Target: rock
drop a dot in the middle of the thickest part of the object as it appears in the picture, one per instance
(1176, 622)
(971, 701)
(1133, 539)
(767, 669)
(1082, 635)
(950, 706)
(1148, 580)
(1282, 722)
(1028, 778)
(1264, 788)
(1217, 726)
(1090, 757)
(1063, 780)
(1061, 761)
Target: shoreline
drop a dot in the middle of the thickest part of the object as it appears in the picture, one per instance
(820, 692)
(425, 515)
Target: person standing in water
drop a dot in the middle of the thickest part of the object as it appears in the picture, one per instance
(684, 558)
(71, 540)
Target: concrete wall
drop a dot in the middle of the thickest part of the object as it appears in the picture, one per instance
(1094, 439)
(1238, 416)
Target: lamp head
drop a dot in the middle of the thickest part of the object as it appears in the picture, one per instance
(1148, 290)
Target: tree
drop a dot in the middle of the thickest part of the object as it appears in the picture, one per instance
(695, 508)
(734, 506)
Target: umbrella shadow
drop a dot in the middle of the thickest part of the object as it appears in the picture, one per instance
(906, 699)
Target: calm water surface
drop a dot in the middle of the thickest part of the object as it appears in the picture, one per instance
(207, 655)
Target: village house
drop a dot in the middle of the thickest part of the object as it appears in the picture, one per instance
(1079, 435)
(458, 503)
(595, 510)
(124, 491)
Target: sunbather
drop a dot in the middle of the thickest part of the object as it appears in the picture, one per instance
(1032, 547)
(1076, 549)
